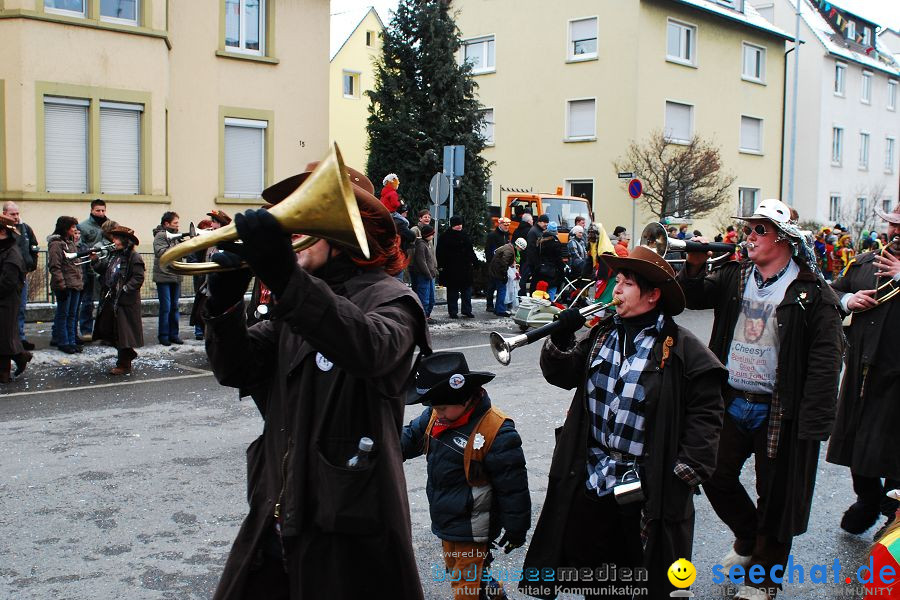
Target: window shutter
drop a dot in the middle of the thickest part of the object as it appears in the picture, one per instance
(120, 148)
(581, 118)
(66, 146)
(750, 133)
(585, 29)
(244, 158)
(678, 121)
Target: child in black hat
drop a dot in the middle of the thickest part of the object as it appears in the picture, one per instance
(477, 481)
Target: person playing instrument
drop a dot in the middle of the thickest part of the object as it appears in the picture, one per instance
(646, 414)
(92, 237)
(168, 281)
(477, 481)
(329, 368)
(217, 219)
(119, 314)
(12, 278)
(66, 281)
(777, 329)
(868, 417)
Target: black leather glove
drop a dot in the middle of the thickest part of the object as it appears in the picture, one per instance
(227, 288)
(266, 248)
(509, 541)
(570, 321)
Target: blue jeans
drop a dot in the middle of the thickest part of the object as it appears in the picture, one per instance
(66, 320)
(86, 311)
(748, 416)
(453, 296)
(23, 302)
(499, 286)
(424, 288)
(168, 294)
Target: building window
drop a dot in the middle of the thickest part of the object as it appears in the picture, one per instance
(851, 30)
(767, 11)
(863, 150)
(754, 63)
(751, 134)
(747, 200)
(73, 8)
(892, 95)
(479, 53)
(837, 145)
(487, 126)
(866, 95)
(886, 205)
(245, 157)
(679, 122)
(840, 77)
(580, 188)
(834, 208)
(581, 119)
(867, 37)
(583, 39)
(119, 11)
(66, 145)
(889, 155)
(120, 148)
(370, 38)
(350, 84)
(681, 42)
(245, 25)
(860, 210)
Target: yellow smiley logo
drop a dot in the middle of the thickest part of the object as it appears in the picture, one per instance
(682, 573)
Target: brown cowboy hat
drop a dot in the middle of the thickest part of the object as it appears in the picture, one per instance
(220, 217)
(123, 232)
(9, 223)
(656, 270)
(284, 188)
(891, 217)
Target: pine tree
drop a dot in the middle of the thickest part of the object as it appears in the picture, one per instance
(423, 100)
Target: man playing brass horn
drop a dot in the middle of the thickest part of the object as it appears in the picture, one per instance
(865, 432)
(328, 369)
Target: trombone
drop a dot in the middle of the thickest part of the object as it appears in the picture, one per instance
(503, 347)
(322, 207)
(84, 257)
(655, 237)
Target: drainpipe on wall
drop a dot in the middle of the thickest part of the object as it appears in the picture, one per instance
(793, 155)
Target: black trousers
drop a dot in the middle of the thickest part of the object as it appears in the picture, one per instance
(599, 531)
(733, 504)
(871, 492)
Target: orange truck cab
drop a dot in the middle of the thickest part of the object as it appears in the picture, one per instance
(560, 208)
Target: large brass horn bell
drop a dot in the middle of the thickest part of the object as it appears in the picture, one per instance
(322, 207)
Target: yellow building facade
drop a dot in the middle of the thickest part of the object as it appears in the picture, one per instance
(351, 75)
(568, 86)
(156, 105)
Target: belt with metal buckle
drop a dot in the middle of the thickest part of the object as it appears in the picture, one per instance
(752, 398)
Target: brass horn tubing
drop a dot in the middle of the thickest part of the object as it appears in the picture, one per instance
(205, 268)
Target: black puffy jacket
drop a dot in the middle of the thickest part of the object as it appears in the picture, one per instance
(459, 512)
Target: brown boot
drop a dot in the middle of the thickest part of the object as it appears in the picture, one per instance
(123, 364)
(22, 359)
(121, 369)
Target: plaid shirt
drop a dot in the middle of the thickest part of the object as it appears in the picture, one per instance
(615, 400)
(775, 415)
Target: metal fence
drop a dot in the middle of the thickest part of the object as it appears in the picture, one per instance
(39, 281)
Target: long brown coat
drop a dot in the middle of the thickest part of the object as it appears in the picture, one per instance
(119, 316)
(809, 361)
(12, 277)
(865, 431)
(328, 369)
(64, 273)
(683, 418)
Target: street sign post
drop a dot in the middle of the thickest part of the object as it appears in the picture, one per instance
(454, 166)
(635, 189)
(439, 190)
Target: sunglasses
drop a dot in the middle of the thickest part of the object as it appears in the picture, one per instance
(759, 229)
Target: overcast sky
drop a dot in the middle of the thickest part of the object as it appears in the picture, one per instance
(883, 12)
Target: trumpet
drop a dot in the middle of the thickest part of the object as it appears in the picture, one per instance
(84, 257)
(887, 290)
(503, 347)
(324, 206)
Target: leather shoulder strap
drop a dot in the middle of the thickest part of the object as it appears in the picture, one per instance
(428, 431)
(480, 441)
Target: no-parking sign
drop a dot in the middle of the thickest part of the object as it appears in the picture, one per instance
(635, 188)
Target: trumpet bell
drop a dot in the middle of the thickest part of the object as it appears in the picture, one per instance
(655, 237)
(322, 207)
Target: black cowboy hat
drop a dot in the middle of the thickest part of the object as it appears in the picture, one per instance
(444, 378)
(656, 270)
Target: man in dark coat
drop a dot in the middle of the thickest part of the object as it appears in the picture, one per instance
(647, 406)
(456, 259)
(498, 237)
(119, 314)
(778, 331)
(532, 254)
(327, 369)
(12, 278)
(28, 247)
(865, 431)
(524, 227)
(91, 235)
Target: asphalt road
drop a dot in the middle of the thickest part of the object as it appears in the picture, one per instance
(136, 490)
